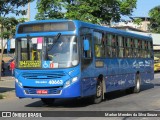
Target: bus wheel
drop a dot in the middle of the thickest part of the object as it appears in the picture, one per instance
(137, 84)
(99, 93)
(48, 101)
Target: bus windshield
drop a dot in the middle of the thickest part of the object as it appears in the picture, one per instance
(47, 52)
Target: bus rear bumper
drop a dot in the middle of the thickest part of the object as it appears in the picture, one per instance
(69, 92)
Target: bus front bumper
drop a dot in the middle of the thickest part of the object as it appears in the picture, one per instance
(30, 92)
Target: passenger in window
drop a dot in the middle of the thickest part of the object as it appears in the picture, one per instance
(109, 51)
(97, 51)
(103, 45)
(127, 53)
(113, 52)
(134, 53)
(103, 39)
(113, 41)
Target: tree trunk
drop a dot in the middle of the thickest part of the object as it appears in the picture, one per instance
(1, 56)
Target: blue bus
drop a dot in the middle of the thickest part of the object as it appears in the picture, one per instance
(72, 59)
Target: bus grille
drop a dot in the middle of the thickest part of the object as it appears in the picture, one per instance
(50, 90)
(47, 75)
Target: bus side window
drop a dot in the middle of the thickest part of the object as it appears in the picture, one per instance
(150, 53)
(145, 46)
(139, 48)
(120, 46)
(99, 44)
(114, 46)
(86, 47)
(108, 46)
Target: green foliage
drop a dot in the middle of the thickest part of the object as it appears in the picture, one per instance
(11, 6)
(49, 9)
(94, 11)
(7, 24)
(155, 19)
(1, 96)
(84, 12)
(137, 21)
(127, 6)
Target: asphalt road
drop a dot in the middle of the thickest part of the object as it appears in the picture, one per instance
(147, 100)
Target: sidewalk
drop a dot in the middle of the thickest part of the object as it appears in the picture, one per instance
(7, 88)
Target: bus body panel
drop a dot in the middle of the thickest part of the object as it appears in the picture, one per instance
(70, 92)
(118, 73)
(29, 81)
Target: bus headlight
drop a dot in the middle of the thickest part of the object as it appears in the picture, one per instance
(74, 79)
(19, 83)
(69, 82)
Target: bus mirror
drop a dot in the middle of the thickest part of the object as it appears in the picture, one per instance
(8, 45)
(86, 44)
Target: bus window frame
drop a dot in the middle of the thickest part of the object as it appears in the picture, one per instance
(104, 45)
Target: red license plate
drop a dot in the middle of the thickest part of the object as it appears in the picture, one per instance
(42, 91)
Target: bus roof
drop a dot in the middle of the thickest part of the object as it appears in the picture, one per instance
(115, 31)
(79, 24)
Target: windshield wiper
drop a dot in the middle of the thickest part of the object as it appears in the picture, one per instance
(28, 40)
(54, 42)
(58, 36)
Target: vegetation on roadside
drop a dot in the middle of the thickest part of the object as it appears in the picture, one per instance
(155, 19)
(2, 96)
(8, 24)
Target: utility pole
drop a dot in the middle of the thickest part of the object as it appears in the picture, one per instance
(111, 24)
(28, 12)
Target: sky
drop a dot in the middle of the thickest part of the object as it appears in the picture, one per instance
(143, 7)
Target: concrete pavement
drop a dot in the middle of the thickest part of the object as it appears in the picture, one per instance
(7, 85)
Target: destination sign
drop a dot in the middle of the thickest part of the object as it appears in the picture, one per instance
(46, 27)
(29, 64)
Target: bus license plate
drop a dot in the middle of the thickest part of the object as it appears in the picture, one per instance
(42, 91)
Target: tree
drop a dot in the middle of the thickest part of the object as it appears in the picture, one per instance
(137, 21)
(7, 25)
(49, 9)
(94, 11)
(83, 10)
(155, 19)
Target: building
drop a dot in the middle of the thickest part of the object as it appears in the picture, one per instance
(142, 25)
(12, 47)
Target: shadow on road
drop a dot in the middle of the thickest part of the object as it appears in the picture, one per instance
(157, 84)
(147, 86)
(83, 102)
(5, 89)
(65, 103)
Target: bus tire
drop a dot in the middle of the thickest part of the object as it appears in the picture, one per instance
(137, 84)
(48, 101)
(98, 97)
